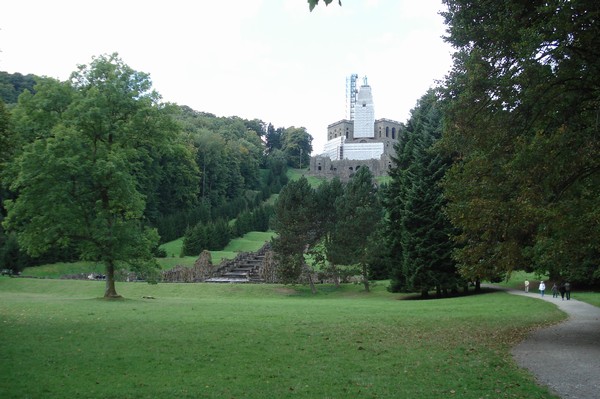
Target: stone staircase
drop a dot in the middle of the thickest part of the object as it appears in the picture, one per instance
(245, 268)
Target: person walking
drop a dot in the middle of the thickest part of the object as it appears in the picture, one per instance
(554, 291)
(526, 285)
(542, 288)
(568, 290)
(562, 290)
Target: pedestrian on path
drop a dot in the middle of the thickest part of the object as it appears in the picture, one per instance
(526, 285)
(554, 291)
(568, 290)
(542, 288)
(562, 290)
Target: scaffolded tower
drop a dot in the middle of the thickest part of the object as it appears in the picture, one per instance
(351, 95)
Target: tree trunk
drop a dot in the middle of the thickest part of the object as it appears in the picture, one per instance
(110, 291)
(365, 271)
(336, 275)
(308, 272)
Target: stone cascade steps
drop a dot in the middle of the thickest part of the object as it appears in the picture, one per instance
(243, 270)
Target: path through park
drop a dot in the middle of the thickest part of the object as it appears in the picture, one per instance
(566, 356)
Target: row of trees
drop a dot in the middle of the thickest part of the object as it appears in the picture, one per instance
(214, 236)
(293, 145)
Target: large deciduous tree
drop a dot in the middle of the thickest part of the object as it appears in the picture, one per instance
(81, 176)
(524, 105)
(296, 143)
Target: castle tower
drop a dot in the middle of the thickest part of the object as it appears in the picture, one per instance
(364, 114)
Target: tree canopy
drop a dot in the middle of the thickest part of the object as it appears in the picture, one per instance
(82, 176)
(523, 101)
(13, 84)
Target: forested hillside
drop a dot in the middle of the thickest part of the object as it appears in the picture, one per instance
(203, 171)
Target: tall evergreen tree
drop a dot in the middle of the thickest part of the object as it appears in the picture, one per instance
(326, 196)
(417, 223)
(296, 227)
(358, 214)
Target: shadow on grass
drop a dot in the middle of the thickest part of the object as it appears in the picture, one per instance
(419, 297)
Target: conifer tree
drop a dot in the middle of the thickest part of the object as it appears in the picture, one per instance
(358, 213)
(325, 200)
(419, 228)
(297, 228)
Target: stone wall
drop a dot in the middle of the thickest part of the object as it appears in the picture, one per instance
(322, 166)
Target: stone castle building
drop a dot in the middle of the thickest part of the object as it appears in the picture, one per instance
(361, 141)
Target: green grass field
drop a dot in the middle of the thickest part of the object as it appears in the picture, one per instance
(296, 174)
(59, 340)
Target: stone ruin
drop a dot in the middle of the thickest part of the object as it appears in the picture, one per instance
(246, 267)
(201, 271)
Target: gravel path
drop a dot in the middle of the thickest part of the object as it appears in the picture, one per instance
(565, 357)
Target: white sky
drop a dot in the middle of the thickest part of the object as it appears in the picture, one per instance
(266, 59)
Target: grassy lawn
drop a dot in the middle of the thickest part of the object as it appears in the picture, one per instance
(593, 298)
(55, 270)
(296, 174)
(173, 248)
(259, 341)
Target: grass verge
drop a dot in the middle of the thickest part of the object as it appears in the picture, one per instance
(259, 341)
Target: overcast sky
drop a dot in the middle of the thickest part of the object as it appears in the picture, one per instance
(267, 59)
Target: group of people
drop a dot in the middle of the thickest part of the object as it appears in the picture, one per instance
(564, 289)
